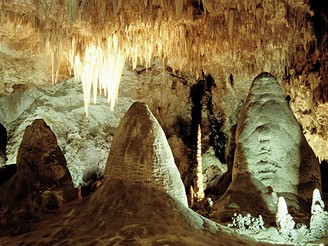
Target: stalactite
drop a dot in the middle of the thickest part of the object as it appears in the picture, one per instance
(99, 69)
(148, 29)
(117, 4)
(231, 21)
(73, 6)
(179, 7)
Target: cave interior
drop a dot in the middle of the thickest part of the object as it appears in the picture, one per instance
(186, 122)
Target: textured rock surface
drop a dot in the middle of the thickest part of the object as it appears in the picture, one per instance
(39, 153)
(128, 213)
(213, 169)
(84, 141)
(141, 153)
(42, 182)
(131, 208)
(270, 144)
(271, 154)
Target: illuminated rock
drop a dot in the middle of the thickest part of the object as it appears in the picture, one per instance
(140, 153)
(319, 217)
(270, 145)
(271, 156)
(284, 220)
(317, 203)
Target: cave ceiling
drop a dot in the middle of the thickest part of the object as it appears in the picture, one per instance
(44, 41)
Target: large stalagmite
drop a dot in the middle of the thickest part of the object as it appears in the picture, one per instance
(272, 154)
(270, 142)
(141, 153)
(42, 182)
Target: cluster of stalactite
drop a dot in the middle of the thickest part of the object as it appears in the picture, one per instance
(189, 34)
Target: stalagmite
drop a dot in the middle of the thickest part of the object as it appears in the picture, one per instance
(140, 153)
(317, 203)
(284, 220)
(319, 217)
(199, 183)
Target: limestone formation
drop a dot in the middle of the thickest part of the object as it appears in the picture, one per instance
(317, 203)
(272, 154)
(284, 220)
(141, 153)
(42, 182)
(225, 180)
(270, 144)
(319, 217)
(39, 153)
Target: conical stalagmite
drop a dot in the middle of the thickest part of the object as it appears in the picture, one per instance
(271, 156)
(270, 144)
(141, 153)
(42, 182)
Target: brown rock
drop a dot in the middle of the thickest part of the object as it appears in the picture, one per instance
(42, 182)
(40, 153)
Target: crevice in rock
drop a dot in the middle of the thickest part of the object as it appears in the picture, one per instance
(202, 113)
(324, 176)
(198, 7)
(3, 144)
(217, 137)
(319, 19)
(324, 180)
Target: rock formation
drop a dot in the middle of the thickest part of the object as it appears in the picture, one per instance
(272, 154)
(319, 217)
(225, 180)
(141, 153)
(317, 203)
(270, 143)
(284, 220)
(42, 182)
(140, 202)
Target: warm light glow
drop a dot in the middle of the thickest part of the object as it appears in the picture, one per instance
(99, 69)
(199, 186)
